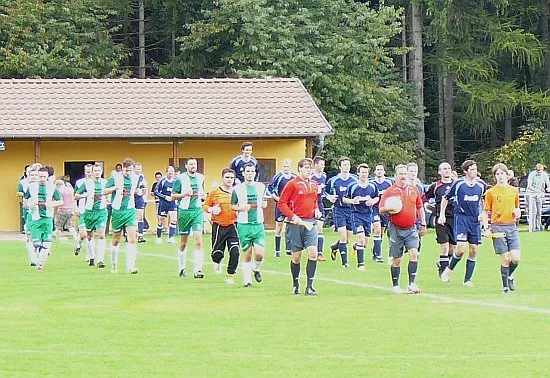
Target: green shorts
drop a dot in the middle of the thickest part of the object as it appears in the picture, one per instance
(41, 230)
(81, 223)
(251, 235)
(190, 220)
(123, 218)
(28, 222)
(95, 220)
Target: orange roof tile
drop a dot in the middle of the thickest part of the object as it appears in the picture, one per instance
(158, 108)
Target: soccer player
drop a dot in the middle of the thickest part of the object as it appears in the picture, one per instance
(466, 194)
(167, 206)
(379, 221)
(402, 230)
(224, 230)
(537, 183)
(32, 176)
(122, 187)
(41, 198)
(320, 177)
(444, 234)
(249, 200)
(22, 188)
(189, 190)
(64, 214)
(79, 212)
(140, 195)
(238, 163)
(502, 202)
(298, 202)
(275, 188)
(362, 196)
(158, 177)
(95, 214)
(337, 188)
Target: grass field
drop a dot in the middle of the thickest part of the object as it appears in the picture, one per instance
(73, 320)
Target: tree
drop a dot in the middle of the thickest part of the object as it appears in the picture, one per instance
(64, 39)
(339, 50)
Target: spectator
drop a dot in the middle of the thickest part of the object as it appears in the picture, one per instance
(537, 183)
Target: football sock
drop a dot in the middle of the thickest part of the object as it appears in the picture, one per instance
(470, 266)
(412, 269)
(91, 248)
(377, 246)
(247, 272)
(277, 244)
(454, 260)
(44, 252)
(513, 267)
(295, 270)
(320, 243)
(343, 247)
(101, 247)
(114, 255)
(198, 259)
(140, 228)
(73, 233)
(310, 271)
(30, 252)
(360, 248)
(182, 257)
(131, 254)
(159, 231)
(504, 274)
(172, 231)
(443, 262)
(395, 272)
(257, 263)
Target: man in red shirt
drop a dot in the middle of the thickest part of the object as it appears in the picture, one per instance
(298, 202)
(402, 230)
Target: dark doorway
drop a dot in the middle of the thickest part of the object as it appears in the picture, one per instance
(268, 169)
(75, 169)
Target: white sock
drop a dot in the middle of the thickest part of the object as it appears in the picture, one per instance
(91, 249)
(198, 260)
(30, 252)
(46, 246)
(247, 272)
(182, 258)
(114, 255)
(131, 254)
(257, 264)
(101, 247)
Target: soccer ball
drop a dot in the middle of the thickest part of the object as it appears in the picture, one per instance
(394, 204)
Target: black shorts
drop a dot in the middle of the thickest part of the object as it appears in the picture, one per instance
(223, 236)
(444, 233)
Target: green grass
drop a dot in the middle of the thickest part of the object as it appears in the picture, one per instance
(73, 320)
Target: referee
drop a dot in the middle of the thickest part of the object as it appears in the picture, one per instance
(298, 202)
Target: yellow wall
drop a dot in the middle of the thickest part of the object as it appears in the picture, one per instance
(216, 154)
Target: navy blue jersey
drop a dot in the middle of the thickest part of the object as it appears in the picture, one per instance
(140, 185)
(356, 190)
(164, 189)
(278, 182)
(340, 187)
(237, 164)
(381, 187)
(321, 181)
(466, 197)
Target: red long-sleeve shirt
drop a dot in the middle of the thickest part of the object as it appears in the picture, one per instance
(299, 197)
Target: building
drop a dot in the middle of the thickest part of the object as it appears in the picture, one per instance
(68, 123)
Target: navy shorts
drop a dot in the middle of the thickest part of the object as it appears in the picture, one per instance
(361, 223)
(342, 217)
(467, 229)
(384, 219)
(140, 202)
(165, 207)
(279, 217)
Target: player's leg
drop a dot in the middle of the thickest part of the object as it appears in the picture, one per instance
(442, 239)
(219, 240)
(198, 254)
(140, 227)
(308, 241)
(233, 248)
(116, 226)
(131, 247)
(161, 221)
(173, 218)
(245, 239)
(474, 240)
(512, 237)
(411, 239)
(91, 246)
(279, 225)
(396, 252)
(259, 250)
(377, 238)
(184, 229)
(320, 239)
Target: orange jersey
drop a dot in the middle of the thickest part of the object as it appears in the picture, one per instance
(220, 197)
(410, 196)
(501, 201)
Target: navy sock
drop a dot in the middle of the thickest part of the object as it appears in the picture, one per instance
(320, 243)
(343, 247)
(159, 231)
(140, 228)
(443, 262)
(504, 274)
(513, 267)
(172, 231)
(310, 270)
(277, 244)
(395, 272)
(360, 254)
(470, 266)
(295, 270)
(454, 260)
(413, 267)
(377, 246)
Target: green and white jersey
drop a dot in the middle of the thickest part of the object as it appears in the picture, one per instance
(97, 201)
(41, 195)
(23, 186)
(253, 194)
(81, 203)
(123, 198)
(183, 183)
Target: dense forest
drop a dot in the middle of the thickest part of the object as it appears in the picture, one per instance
(424, 80)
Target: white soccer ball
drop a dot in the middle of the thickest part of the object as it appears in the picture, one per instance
(393, 204)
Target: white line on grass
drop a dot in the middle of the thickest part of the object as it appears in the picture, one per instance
(445, 299)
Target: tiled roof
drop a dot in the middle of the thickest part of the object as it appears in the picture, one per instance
(158, 108)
